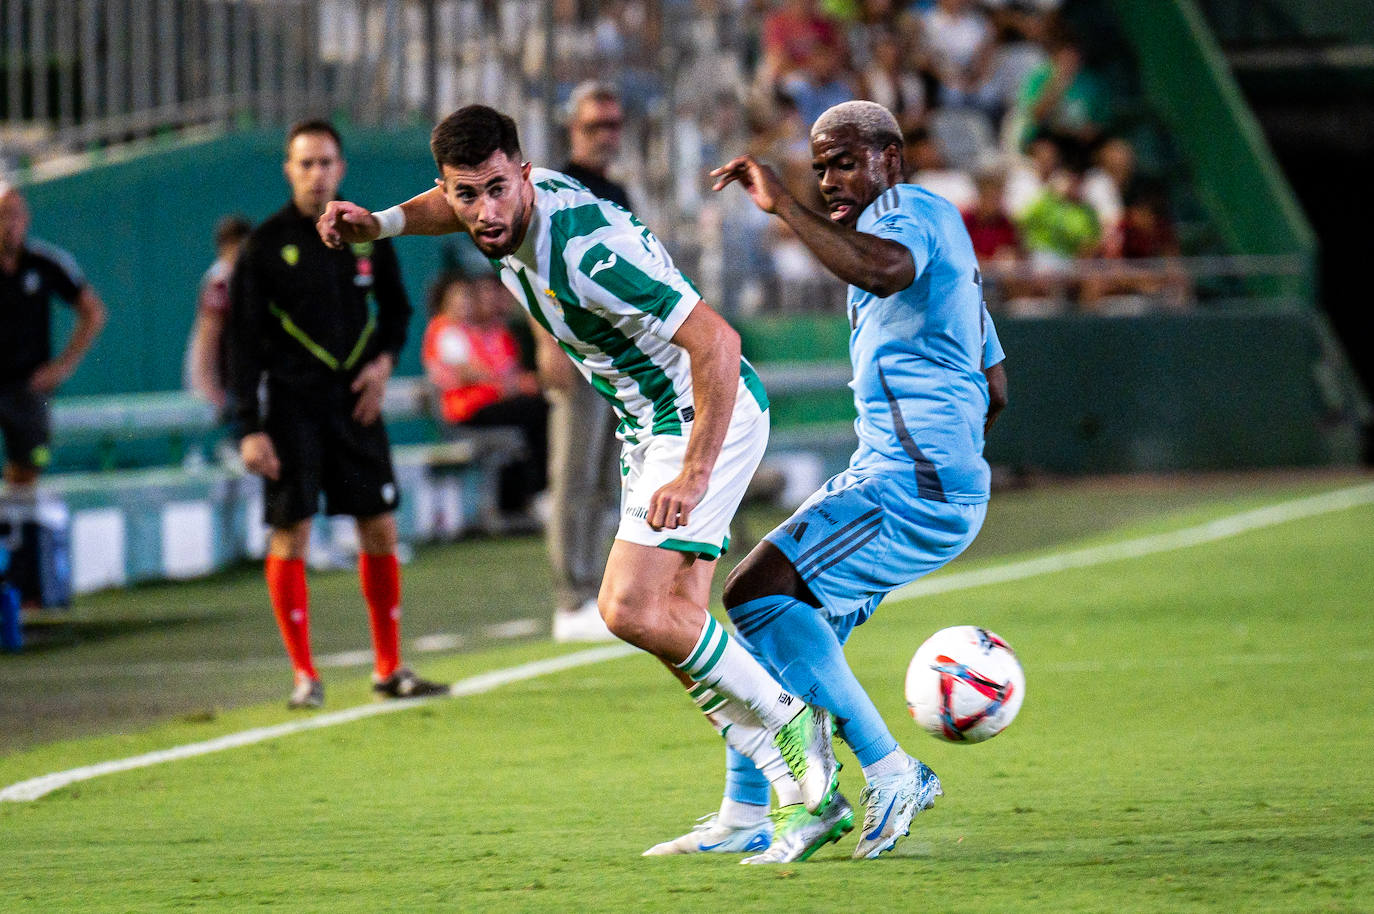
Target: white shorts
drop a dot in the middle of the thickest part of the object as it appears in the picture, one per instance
(649, 465)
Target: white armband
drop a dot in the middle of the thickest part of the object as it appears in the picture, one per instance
(391, 222)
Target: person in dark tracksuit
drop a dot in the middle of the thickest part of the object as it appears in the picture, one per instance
(323, 328)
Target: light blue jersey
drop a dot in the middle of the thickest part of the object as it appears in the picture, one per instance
(919, 355)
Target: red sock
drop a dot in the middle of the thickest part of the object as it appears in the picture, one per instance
(381, 580)
(291, 605)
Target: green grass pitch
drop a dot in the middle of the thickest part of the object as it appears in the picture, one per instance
(1196, 736)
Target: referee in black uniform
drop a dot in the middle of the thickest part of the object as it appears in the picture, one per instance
(323, 327)
(32, 273)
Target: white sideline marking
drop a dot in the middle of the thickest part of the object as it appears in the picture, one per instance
(1219, 529)
(1222, 528)
(42, 786)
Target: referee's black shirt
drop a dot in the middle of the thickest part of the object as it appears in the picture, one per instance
(26, 297)
(299, 307)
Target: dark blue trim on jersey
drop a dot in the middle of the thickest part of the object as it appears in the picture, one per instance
(863, 541)
(927, 480)
(829, 541)
(809, 568)
(747, 623)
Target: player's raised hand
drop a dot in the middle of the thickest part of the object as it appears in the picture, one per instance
(347, 223)
(763, 185)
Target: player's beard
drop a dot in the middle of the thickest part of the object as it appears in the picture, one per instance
(517, 230)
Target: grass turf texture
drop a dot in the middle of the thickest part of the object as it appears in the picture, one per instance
(1195, 738)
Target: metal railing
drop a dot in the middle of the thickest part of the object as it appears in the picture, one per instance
(81, 73)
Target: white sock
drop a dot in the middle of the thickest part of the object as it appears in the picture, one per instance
(740, 815)
(743, 732)
(718, 662)
(894, 762)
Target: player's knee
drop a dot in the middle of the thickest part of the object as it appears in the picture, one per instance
(627, 620)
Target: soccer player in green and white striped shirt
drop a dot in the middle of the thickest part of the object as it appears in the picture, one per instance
(694, 417)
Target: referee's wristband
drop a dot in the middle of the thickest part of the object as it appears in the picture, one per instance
(391, 221)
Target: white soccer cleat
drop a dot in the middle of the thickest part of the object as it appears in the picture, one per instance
(798, 834)
(709, 836)
(890, 804)
(581, 624)
(805, 744)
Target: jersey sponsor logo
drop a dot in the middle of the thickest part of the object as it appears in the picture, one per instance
(291, 254)
(638, 511)
(602, 265)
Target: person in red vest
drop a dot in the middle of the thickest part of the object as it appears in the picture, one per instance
(479, 374)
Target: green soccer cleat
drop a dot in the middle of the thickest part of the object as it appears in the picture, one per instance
(797, 834)
(804, 742)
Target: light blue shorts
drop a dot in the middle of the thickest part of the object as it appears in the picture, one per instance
(864, 534)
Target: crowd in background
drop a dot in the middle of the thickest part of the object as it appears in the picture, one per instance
(1005, 110)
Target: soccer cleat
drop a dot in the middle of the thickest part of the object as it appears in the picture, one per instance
(405, 684)
(710, 836)
(804, 742)
(890, 804)
(581, 624)
(797, 834)
(307, 695)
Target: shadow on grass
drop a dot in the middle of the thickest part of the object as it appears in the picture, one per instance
(49, 635)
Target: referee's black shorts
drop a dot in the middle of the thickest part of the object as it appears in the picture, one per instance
(322, 449)
(25, 426)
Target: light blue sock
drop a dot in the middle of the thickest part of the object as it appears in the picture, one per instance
(744, 783)
(802, 650)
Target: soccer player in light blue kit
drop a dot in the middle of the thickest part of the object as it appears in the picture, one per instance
(915, 493)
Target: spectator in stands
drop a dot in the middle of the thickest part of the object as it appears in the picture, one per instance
(1059, 227)
(925, 161)
(962, 46)
(791, 33)
(890, 81)
(473, 360)
(819, 83)
(1061, 98)
(584, 452)
(1031, 174)
(1144, 272)
(1107, 183)
(301, 315)
(994, 237)
(204, 371)
(31, 274)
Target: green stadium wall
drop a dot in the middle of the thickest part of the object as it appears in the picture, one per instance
(1203, 391)
(142, 230)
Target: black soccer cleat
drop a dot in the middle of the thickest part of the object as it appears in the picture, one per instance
(405, 684)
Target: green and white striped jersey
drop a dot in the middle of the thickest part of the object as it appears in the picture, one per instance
(597, 279)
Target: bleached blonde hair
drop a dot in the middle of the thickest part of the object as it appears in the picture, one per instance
(875, 124)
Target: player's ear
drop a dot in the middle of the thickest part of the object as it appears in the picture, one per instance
(525, 170)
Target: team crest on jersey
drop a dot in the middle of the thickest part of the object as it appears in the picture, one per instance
(291, 254)
(32, 281)
(557, 305)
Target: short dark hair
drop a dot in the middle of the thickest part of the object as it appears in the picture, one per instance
(314, 125)
(470, 135)
(232, 228)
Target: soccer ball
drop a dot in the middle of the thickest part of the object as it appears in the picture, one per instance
(964, 685)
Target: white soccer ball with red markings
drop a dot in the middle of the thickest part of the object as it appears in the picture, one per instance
(964, 685)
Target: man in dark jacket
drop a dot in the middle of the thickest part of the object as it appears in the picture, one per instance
(324, 327)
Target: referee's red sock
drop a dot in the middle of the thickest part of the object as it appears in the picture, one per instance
(291, 604)
(381, 581)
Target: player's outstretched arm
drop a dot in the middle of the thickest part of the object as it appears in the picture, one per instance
(877, 265)
(424, 214)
